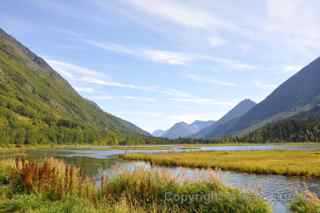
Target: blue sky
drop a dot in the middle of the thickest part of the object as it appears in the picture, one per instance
(157, 62)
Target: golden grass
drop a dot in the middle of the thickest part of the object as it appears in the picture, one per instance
(290, 163)
(136, 191)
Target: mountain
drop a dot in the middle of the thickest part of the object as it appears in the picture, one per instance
(305, 126)
(38, 106)
(184, 130)
(158, 133)
(299, 93)
(199, 125)
(218, 129)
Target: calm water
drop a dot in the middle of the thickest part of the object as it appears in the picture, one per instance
(278, 190)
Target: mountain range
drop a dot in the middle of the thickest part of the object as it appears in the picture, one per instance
(287, 105)
(183, 130)
(38, 106)
(298, 94)
(217, 129)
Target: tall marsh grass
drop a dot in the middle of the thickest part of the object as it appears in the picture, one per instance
(53, 186)
(307, 202)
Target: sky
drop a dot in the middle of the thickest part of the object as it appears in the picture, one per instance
(158, 62)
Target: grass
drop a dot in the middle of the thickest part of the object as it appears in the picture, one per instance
(306, 203)
(289, 163)
(53, 186)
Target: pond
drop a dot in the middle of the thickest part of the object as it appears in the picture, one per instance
(278, 190)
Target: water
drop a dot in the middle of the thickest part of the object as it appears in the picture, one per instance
(278, 190)
(309, 147)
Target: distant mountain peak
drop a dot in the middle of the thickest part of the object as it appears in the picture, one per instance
(220, 126)
(181, 123)
(184, 130)
(158, 132)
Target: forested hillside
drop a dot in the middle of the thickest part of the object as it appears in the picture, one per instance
(38, 106)
(299, 93)
(304, 127)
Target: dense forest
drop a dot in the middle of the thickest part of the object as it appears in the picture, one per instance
(304, 127)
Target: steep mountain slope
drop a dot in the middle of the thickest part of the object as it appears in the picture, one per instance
(38, 106)
(300, 92)
(158, 133)
(222, 125)
(184, 130)
(305, 126)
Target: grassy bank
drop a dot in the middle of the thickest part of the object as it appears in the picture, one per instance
(306, 203)
(53, 186)
(290, 163)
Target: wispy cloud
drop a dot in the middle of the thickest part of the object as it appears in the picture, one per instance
(84, 89)
(175, 93)
(102, 97)
(201, 101)
(69, 70)
(292, 68)
(117, 48)
(138, 98)
(182, 14)
(154, 55)
(210, 80)
(264, 85)
(78, 74)
(169, 57)
(217, 41)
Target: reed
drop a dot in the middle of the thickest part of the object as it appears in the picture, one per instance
(53, 177)
(35, 185)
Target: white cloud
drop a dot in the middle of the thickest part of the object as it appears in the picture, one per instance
(117, 48)
(79, 74)
(167, 57)
(264, 85)
(82, 75)
(84, 89)
(154, 55)
(294, 23)
(138, 98)
(201, 101)
(175, 93)
(292, 68)
(102, 97)
(217, 41)
(210, 80)
(232, 64)
(70, 70)
(181, 14)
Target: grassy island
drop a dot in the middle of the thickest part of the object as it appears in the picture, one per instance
(290, 163)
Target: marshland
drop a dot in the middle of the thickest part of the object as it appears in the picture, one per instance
(103, 179)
